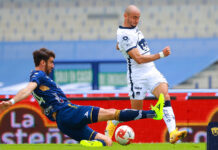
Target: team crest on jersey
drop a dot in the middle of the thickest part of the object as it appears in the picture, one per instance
(125, 38)
(44, 88)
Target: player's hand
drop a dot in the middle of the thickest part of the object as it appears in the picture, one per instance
(166, 51)
(4, 105)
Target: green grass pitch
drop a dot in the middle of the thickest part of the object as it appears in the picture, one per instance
(147, 146)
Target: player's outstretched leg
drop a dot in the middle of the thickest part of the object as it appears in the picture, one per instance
(156, 113)
(176, 135)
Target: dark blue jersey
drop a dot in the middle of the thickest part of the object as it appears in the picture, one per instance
(49, 96)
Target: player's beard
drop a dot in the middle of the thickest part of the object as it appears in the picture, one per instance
(47, 71)
(130, 24)
(133, 26)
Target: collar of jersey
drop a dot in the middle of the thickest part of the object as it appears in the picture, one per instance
(121, 27)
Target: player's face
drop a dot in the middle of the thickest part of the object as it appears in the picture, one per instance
(133, 19)
(49, 65)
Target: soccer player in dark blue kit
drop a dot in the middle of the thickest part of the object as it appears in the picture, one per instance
(72, 119)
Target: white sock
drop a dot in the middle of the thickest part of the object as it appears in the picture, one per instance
(169, 118)
(115, 122)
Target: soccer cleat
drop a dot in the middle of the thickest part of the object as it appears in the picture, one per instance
(158, 108)
(176, 135)
(93, 143)
(110, 128)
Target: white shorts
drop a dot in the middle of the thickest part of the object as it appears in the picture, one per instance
(138, 87)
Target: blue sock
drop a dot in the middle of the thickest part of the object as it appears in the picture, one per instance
(131, 114)
(167, 103)
(102, 141)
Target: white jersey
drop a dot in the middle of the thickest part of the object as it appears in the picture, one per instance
(141, 77)
(129, 38)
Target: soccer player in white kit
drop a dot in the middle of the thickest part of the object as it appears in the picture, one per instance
(142, 75)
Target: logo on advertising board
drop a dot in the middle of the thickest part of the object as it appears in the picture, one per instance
(214, 131)
(212, 136)
(26, 124)
(197, 132)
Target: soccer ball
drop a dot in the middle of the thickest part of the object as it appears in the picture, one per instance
(124, 135)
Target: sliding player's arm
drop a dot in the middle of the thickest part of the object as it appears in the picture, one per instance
(134, 54)
(22, 94)
(117, 47)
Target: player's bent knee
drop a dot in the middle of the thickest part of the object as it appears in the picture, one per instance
(108, 141)
(105, 138)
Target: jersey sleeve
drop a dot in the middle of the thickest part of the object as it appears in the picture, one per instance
(37, 77)
(127, 41)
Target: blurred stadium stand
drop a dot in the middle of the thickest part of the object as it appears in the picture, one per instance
(206, 79)
(71, 27)
(39, 20)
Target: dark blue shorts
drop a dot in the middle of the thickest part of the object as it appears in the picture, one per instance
(73, 119)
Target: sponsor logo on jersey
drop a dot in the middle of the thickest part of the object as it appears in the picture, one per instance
(44, 88)
(137, 88)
